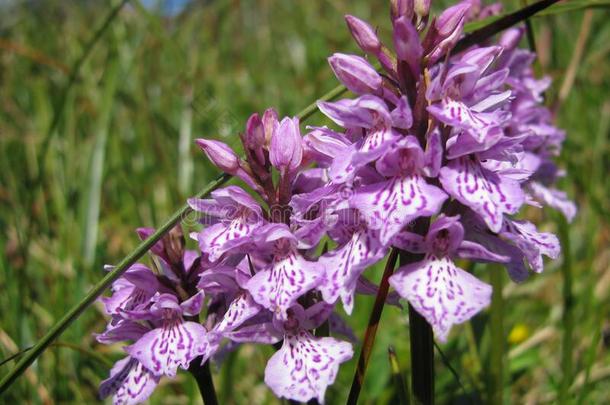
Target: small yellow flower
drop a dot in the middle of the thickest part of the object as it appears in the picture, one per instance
(518, 334)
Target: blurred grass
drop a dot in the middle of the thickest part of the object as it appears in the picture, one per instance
(121, 157)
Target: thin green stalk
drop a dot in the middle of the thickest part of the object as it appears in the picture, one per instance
(399, 382)
(371, 329)
(67, 345)
(496, 328)
(568, 316)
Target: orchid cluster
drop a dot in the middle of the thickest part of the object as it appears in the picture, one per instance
(434, 156)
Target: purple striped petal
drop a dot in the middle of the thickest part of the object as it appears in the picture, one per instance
(458, 115)
(129, 383)
(344, 266)
(441, 292)
(487, 193)
(532, 243)
(241, 309)
(305, 366)
(278, 287)
(175, 344)
(553, 198)
(390, 205)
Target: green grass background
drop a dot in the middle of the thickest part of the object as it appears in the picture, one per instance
(121, 156)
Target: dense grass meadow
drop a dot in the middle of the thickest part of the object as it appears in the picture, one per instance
(93, 148)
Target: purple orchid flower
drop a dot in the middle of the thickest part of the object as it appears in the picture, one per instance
(235, 215)
(288, 276)
(391, 204)
(129, 382)
(175, 342)
(359, 248)
(305, 365)
(440, 291)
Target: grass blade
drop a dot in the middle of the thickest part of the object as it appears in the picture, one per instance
(94, 192)
(567, 342)
(399, 382)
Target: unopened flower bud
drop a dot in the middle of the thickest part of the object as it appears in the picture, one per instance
(451, 19)
(447, 30)
(286, 151)
(254, 138)
(407, 44)
(355, 73)
(220, 154)
(364, 34)
(270, 123)
(402, 8)
(422, 8)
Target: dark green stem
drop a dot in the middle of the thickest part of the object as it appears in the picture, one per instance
(203, 376)
(499, 25)
(422, 358)
(496, 326)
(371, 330)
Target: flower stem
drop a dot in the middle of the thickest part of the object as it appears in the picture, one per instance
(501, 24)
(496, 324)
(422, 358)
(371, 330)
(203, 376)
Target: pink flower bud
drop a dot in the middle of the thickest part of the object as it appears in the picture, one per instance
(220, 154)
(402, 8)
(407, 44)
(270, 123)
(286, 150)
(363, 33)
(255, 133)
(422, 8)
(451, 19)
(446, 31)
(355, 73)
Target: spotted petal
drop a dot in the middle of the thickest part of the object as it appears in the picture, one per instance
(305, 366)
(175, 344)
(129, 382)
(219, 238)
(344, 266)
(532, 243)
(278, 287)
(554, 198)
(487, 193)
(441, 292)
(457, 114)
(240, 310)
(390, 205)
